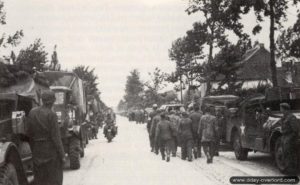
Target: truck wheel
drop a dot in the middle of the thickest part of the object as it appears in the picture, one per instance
(8, 175)
(240, 152)
(74, 153)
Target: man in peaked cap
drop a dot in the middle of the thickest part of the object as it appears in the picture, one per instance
(47, 148)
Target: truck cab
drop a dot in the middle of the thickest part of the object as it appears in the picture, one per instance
(255, 125)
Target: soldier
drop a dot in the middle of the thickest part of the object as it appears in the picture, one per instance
(47, 148)
(195, 116)
(186, 136)
(174, 119)
(220, 127)
(289, 137)
(207, 132)
(149, 122)
(155, 144)
(164, 136)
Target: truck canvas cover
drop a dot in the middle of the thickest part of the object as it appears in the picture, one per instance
(25, 87)
(70, 81)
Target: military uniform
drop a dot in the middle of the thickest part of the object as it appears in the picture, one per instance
(289, 138)
(207, 132)
(154, 143)
(195, 117)
(47, 148)
(220, 128)
(164, 137)
(149, 123)
(174, 119)
(186, 137)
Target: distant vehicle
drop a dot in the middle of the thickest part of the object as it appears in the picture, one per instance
(71, 109)
(253, 124)
(169, 107)
(16, 165)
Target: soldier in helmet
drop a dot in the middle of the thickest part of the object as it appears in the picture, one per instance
(195, 117)
(149, 124)
(289, 137)
(47, 148)
(220, 127)
(207, 131)
(185, 132)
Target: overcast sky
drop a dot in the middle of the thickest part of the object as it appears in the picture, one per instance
(113, 36)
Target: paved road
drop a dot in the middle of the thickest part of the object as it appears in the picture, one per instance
(128, 160)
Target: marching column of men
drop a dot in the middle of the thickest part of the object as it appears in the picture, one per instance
(191, 130)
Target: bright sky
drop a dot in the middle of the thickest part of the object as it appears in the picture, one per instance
(113, 36)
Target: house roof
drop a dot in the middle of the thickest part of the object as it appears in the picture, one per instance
(254, 65)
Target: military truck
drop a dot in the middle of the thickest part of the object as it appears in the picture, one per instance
(254, 123)
(16, 101)
(71, 108)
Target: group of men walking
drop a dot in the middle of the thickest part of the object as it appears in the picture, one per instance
(191, 131)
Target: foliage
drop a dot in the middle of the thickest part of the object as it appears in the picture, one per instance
(33, 57)
(133, 90)
(277, 12)
(218, 16)
(90, 79)
(5, 39)
(288, 43)
(226, 65)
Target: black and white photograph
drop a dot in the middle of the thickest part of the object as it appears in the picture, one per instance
(149, 92)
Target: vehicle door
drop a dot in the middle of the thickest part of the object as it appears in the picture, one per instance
(250, 126)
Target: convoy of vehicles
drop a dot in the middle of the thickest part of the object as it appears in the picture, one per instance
(71, 108)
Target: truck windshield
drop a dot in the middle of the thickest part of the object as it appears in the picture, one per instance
(60, 97)
(6, 108)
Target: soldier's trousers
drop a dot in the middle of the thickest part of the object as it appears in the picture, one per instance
(50, 173)
(290, 151)
(174, 145)
(186, 149)
(165, 146)
(208, 148)
(197, 147)
(153, 144)
(217, 146)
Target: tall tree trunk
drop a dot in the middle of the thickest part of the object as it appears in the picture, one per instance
(208, 76)
(272, 45)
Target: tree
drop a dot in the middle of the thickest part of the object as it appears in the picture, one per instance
(226, 65)
(276, 10)
(33, 57)
(288, 43)
(134, 89)
(185, 51)
(90, 79)
(5, 39)
(121, 105)
(154, 86)
(217, 18)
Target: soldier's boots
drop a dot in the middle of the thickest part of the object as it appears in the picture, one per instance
(168, 158)
(195, 153)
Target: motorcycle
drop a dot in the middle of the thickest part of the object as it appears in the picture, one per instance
(110, 132)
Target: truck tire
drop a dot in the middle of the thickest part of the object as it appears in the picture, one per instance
(74, 153)
(240, 152)
(8, 175)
